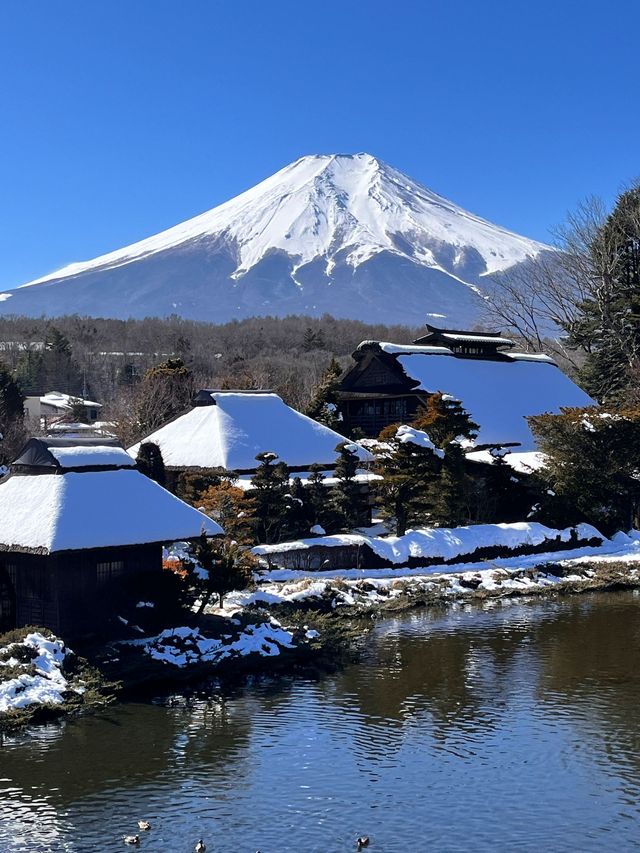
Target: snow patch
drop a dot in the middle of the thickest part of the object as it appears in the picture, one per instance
(47, 685)
(186, 646)
(442, 543)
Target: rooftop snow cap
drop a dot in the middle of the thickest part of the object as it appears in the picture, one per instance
(93, 497)
(57, 455)
(483, 341)
(228, 429)
(65, 401)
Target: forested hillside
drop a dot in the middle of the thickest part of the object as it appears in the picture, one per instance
(105, 357)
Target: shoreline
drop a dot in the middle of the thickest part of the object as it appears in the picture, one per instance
(333, 615)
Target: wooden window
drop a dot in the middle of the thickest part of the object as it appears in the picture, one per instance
(106, 572)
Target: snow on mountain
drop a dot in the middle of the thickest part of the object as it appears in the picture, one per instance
(343, 234)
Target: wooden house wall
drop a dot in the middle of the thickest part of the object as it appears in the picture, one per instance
(375, 393)
(72, 593)
(319, 557)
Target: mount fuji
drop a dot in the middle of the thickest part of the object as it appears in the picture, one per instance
(346, 235)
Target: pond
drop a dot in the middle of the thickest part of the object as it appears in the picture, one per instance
(509, 726)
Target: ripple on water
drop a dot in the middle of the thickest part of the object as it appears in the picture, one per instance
(506, 727)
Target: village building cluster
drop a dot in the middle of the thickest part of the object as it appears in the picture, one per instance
(77, 517)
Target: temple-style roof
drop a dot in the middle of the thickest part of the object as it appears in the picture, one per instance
(228, 429)
(464, 342)
(48, 505)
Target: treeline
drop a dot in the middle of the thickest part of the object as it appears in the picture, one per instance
(288, 355)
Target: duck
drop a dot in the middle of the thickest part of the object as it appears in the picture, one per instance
(362, 842)
(200, 847)
(144, 825)
(132, 839)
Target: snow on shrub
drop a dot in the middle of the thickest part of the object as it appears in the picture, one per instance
(184, 646)
(35, 668)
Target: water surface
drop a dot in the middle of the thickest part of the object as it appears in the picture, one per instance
(509, 727)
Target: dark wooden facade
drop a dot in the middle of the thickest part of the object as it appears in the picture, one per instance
(70, 592)
(376, 392)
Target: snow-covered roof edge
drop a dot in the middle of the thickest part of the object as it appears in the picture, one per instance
(417, 349)
(73, 511)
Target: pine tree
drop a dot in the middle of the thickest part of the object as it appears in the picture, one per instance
(30, 372)
(443, 418)
(408, 463)
(298, 516)
(269, 486)
(309, 340)
(608, 323)
(313, 340)
(322, 407)
(78, 411)
(11, 399)
(348, 503)
(219, 567)
(58, 370)
(150, 462)
(592, 460)
(505, 496)
(318, 500)
(450, 507)
(12, 433)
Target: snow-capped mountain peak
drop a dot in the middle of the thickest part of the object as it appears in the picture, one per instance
(321, 220)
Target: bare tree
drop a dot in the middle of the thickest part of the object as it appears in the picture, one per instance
(540, 301)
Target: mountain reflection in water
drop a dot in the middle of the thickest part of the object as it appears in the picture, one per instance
(509, 726)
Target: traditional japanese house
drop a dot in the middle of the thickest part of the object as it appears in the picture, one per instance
(77, 519)
(228, 429)
(497, 386)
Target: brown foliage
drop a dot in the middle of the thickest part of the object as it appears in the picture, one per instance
(229, 506)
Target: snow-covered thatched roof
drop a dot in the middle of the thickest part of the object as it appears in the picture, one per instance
(234, 427)
(499, 394)
(45, 509)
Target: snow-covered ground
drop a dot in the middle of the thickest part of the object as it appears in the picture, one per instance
(371, 587)
(440, 543)
(41, 682)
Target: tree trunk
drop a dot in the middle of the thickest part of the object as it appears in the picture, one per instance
(206, 598)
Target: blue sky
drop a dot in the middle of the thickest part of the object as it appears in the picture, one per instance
(119, 119)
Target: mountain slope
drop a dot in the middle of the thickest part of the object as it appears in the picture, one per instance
(342, 234)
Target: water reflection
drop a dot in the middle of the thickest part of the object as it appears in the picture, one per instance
(510, 726)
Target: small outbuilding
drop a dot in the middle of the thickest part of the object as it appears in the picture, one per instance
(77, 519)
(55, 405)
